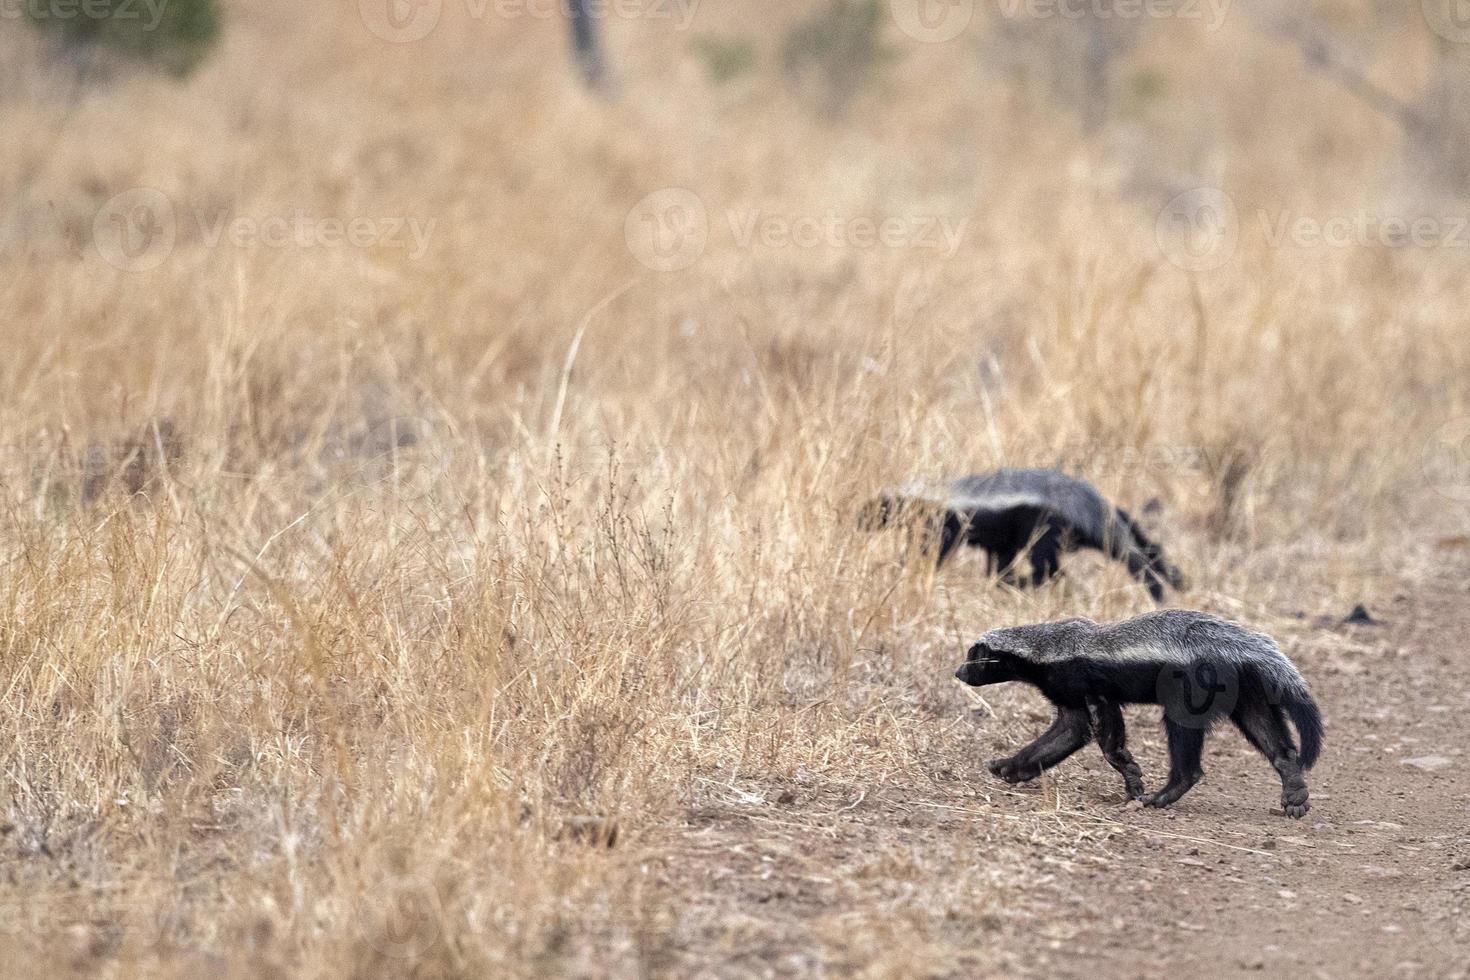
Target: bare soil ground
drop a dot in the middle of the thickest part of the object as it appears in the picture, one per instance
(1060, 878)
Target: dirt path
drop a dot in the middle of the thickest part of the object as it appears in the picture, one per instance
(1375, 882)
(940, 871)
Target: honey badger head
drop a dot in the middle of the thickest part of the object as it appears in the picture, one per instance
(1002, 654)
(984, 665)
(877, 513)
(994, 659)
(890, 511)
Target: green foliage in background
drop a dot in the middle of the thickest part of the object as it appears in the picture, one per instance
(726, 58)
(842, 45)
(173, 34)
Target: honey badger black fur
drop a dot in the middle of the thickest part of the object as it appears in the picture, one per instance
(1010, 511)
(1198, 667)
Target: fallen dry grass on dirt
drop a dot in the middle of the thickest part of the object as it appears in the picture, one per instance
(454, 558)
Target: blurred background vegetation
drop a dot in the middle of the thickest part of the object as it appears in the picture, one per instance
(172, 34)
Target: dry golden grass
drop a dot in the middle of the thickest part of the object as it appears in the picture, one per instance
(440, 548)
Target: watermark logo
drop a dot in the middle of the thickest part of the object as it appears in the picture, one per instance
(668, 229)
(1447, 460)
(136, 230)
(1198, 230)
(1450, 19)
(932, 21)
(402, 917)
(401, 21)
(1194, 695)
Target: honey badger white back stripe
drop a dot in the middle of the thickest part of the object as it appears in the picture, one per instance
(1171, 636)
(1076, 501)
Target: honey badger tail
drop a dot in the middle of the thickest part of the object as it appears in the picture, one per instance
(1145, 557)
(1308, 721)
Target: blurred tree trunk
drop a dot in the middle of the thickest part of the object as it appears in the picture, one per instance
(587, 43)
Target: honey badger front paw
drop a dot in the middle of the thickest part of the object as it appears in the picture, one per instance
(1012, 771)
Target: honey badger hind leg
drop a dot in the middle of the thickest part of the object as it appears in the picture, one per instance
(1264, 726)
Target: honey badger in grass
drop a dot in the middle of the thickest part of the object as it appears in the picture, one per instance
(1011, 510)
(1199, 667)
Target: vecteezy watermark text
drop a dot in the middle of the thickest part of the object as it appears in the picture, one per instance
(1199, 229)
(304, 230)
(769, 230)
(1364, 229)
(406, 21)
(1211, 13)
(669, 229)
(138, 229)
(680, 12)
(150, 12)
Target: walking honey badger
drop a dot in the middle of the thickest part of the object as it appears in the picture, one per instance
(1012, 511)
(1198, 667)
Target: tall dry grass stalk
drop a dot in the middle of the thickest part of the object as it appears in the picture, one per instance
(444, 545)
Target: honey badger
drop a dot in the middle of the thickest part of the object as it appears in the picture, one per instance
(1199, 667)
(1009, 510)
